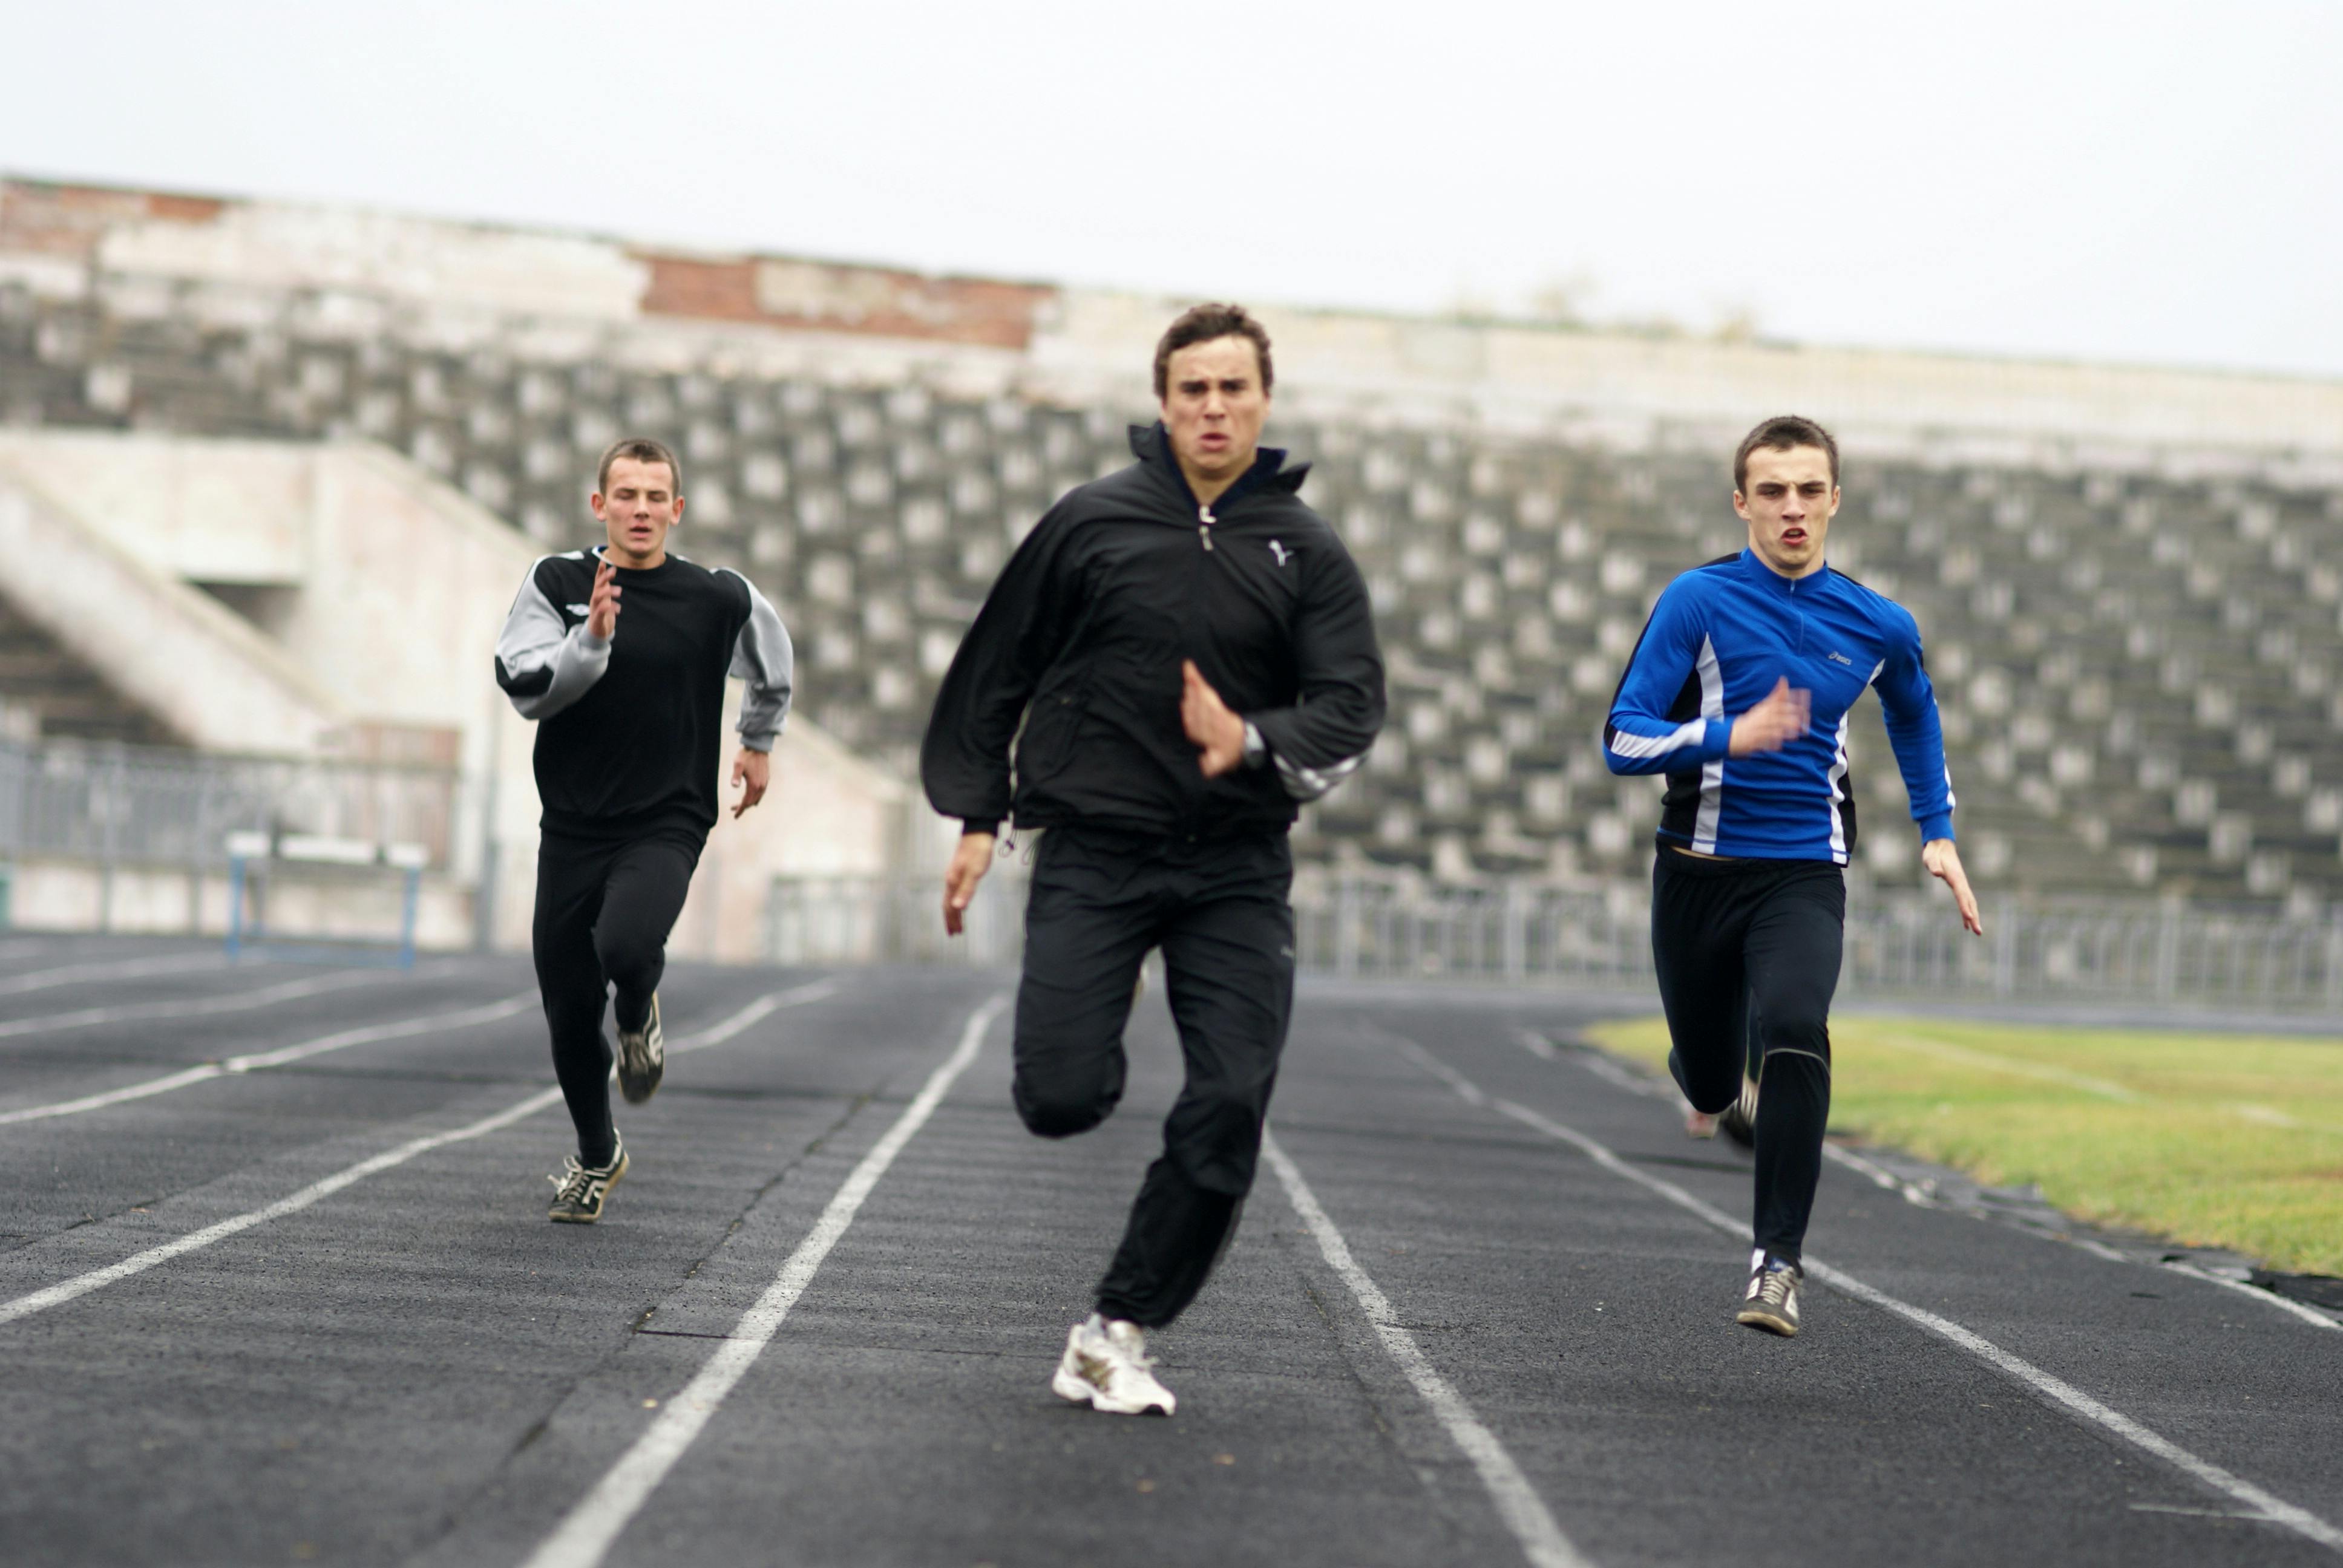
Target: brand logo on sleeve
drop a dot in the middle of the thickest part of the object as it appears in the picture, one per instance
(1280, 551)
(1840, 659)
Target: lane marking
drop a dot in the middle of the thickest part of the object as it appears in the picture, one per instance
(41, 1301)
(2303, 1310)
(1919, 1196)
(115, 969)
(2266, 1506)
(585, 1535)
(1517, 1501)
(755, 1012)
(139, 1262)
(194, 1007)
(463, 1019)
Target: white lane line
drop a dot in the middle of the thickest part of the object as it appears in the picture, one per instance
(1919, 1196)
(2266, 1506)
(194, 1007)
(116, 968)
(463, 1019)
(1517, 1501)
(755, 1012)
(40, 1301)
(2307, 1313)
(139, 1262)
(586, 1533)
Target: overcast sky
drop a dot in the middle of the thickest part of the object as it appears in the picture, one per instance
(2143, 181)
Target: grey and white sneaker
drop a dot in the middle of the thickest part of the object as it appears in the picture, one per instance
(1106, 1366)
(642, 1058)
(1771, 1301)
(578, 1190)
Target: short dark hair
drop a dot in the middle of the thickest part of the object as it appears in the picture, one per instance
(1202, 324)
(641, 449)
(1782, 433)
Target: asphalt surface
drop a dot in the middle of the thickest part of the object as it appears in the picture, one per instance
(212, 1358)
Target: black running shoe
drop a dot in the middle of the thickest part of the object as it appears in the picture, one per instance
(1739, 1121)
(642, 1058)
(578, 1190)
(1771, 1301)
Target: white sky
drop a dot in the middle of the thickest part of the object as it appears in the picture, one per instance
(2144, 181)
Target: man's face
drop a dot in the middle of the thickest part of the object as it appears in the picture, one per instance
(1213, 406)
(1788, 505)
(638, 509)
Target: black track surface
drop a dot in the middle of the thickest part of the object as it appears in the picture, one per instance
(419, 1369)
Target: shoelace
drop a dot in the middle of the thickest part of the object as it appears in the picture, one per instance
(1774, 1287)
(572, 1184)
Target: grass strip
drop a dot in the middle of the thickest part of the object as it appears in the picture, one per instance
(2213, 1140)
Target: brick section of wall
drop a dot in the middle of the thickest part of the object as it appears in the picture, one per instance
(814, 296)
(40, 217)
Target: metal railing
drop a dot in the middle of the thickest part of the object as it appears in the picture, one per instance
(1896, 945)
(156, 806)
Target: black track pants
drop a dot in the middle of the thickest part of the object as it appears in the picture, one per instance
(1219, 911)
(1748, 953)
(603, 913)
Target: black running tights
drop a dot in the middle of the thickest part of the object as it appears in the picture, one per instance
(603, 914)
(1748, 953)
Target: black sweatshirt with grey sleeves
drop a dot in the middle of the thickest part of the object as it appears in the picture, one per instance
(628, 729)
(1087, 627)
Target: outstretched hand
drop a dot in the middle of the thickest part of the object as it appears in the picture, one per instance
(1786, 713)
(970, 859)
(602, 609)
(1213, 727)
(1943, 859)
(753, 770)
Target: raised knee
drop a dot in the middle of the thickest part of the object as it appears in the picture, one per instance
(1061, 1110)
(624, 958)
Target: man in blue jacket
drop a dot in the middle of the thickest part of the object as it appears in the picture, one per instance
(1739, 691)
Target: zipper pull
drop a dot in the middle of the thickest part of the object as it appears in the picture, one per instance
(1204, 521)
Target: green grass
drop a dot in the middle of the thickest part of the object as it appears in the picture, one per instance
(2214, 1141)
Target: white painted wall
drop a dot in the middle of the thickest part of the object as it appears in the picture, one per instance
(393, 587)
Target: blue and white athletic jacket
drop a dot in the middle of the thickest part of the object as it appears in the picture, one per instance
(1718, 639)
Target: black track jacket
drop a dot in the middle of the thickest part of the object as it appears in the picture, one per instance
(1119, 581)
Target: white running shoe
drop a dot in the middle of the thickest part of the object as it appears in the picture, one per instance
(1106, 1366)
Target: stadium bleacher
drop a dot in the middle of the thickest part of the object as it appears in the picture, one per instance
(2138, 668)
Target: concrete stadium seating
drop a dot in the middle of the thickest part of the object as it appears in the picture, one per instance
(2138, 668)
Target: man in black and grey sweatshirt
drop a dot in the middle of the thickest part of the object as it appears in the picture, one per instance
(627, 740)
(1190, 650)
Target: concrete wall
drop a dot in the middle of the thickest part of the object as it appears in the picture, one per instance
(211, 679)
(556, 297)
(387, 590)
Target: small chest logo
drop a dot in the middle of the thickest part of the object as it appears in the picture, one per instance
(1840, 659)
(1280, 551)
(576, 608)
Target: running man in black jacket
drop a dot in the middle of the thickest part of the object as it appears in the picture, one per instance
(1191, 652)
(626, 770)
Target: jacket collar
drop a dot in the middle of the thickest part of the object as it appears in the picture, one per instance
(1151, 445)
(1753, 567)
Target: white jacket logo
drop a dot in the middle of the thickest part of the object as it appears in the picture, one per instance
(1280, 551)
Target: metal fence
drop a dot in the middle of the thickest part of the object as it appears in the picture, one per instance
(1901, 945)
(160, 807)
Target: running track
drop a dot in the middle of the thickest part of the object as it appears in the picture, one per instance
(277, 1287)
